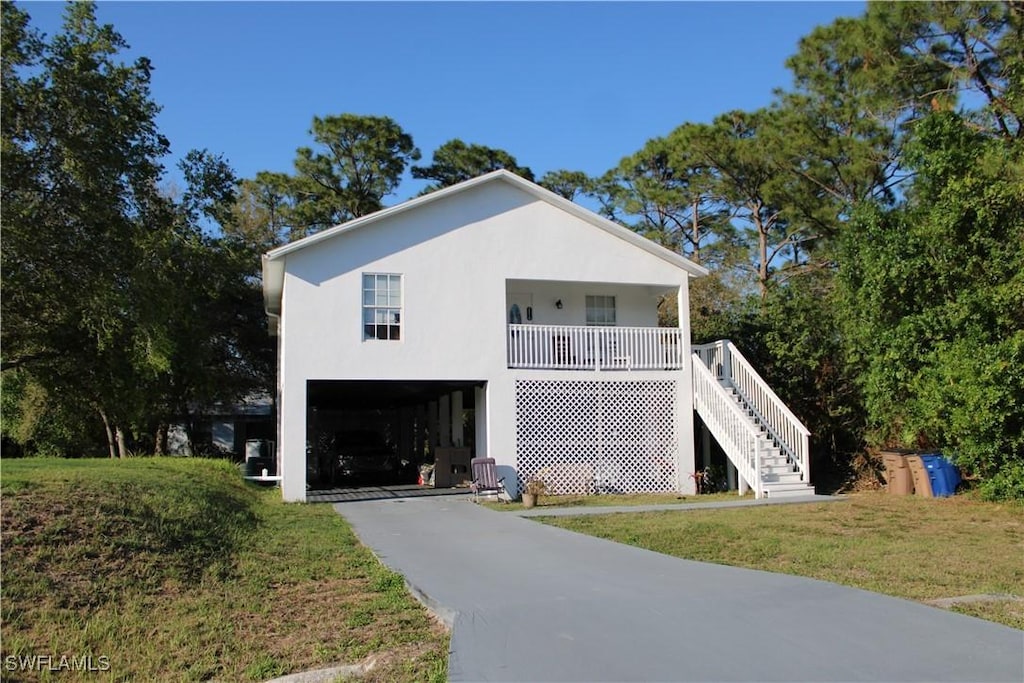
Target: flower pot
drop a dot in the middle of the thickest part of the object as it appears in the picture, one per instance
(529, 500)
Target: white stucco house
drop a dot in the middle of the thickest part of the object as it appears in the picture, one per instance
(496, 316)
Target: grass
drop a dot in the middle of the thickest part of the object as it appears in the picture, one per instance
(174, 569)
(910, 547)
(617, 499)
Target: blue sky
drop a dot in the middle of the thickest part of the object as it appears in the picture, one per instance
(558, 85)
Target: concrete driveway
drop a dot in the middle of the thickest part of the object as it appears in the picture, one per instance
(529, 602)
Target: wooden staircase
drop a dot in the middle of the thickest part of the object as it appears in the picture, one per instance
(779, 474)
(765, 441)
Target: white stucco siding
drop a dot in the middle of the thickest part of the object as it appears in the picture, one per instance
(456, 257)
(538, 241)
(636, 305)
(443, 287)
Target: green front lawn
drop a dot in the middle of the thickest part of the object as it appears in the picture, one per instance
(917, 548)
(175, 569)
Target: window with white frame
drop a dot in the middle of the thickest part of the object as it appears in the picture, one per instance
(382, 306)
(600, 310)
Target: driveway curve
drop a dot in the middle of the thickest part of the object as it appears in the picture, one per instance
(530, 602)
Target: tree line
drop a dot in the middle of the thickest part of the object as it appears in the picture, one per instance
(864, 232)
(121, 312)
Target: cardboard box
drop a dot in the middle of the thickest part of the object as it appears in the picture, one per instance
(452, 467)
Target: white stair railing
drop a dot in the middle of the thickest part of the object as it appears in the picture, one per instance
(725, 362)
(712, 356)
(731, 427)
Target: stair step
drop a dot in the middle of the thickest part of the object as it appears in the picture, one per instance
(788, 490)
(781, 477)
(776, 462)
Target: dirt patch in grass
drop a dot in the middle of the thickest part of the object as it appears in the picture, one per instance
(1009, 611)
(909, 547)
(175, 569)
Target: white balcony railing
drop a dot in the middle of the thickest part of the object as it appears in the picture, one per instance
(578, 347)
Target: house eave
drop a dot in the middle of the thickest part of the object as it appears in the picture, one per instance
(273, 289)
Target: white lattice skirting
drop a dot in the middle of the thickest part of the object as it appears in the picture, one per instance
(584, 437)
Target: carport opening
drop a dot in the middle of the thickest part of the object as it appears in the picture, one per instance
(382, 433)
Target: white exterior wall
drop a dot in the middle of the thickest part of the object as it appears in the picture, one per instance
(455, 256)
(635, 305)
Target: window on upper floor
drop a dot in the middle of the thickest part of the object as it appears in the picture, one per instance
(600, 310)
(382, 306)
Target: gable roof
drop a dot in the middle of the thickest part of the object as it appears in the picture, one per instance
(273, 260)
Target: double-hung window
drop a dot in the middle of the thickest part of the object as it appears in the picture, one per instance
(600, 310)
(382, 306)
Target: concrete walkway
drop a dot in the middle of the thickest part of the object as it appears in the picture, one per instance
(530, 602)
(662, 507)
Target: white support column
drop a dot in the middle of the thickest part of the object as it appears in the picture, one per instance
(501, 428)
(743, 486)
(480, 413)
(405, 433)
(292, 442)
(292, 403)
(731, 473)
(445, 421)
(705, 446)
(458, 438)
(684, 396)
(420, 433)
(432, 425)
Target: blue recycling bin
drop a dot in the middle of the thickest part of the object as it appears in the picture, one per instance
(942, 474)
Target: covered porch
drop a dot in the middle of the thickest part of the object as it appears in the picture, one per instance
(577, 347)
(556, 325)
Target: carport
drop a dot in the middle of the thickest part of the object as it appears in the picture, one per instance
(389, 428)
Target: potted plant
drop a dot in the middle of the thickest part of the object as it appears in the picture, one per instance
(532, 491)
